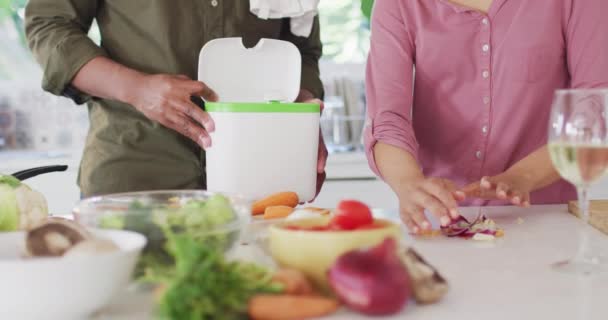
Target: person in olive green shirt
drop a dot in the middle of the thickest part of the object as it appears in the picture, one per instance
(146, 131)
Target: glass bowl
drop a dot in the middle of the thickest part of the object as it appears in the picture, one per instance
(212, 219)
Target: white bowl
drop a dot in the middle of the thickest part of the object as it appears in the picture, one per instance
(66, 288)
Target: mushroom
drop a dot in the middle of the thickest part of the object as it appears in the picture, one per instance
(55, 237)
(428, 285)
(89, 247)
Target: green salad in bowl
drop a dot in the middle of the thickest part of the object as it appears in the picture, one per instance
(211, 220)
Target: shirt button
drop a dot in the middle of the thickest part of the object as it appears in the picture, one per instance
(478, 154)
(486, 100)
(485, 74)
(485, 48)
(484, 129)
(214, 3)
(485, 21)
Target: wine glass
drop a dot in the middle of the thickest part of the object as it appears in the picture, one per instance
(578, 144)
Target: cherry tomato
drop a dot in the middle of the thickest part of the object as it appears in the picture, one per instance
(342, 222)
(351, 214)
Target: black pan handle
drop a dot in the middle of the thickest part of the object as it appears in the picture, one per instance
(29, 173)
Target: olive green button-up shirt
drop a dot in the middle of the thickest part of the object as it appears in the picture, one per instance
(124, 150)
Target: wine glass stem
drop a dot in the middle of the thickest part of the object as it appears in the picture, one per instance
(583, 247)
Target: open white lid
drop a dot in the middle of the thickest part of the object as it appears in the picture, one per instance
(270, 71)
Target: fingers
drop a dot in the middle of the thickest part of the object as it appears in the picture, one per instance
(504, 191)
(489, 189)
(319, 102)
(200, 89)
(414, 218)
(322, 157)
(191, 110)
(442, 203)
(519, 198)
(472, 190)
(188, 128)
(457, 194)
(409, 223)
(424, 200)
(320, 180)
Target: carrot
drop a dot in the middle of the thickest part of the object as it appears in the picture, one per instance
(289, 199)
(276, 212)
(294, 281)
(286, 307)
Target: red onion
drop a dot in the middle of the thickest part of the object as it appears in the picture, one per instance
(457, 227)
(372, 281)
(461, 227)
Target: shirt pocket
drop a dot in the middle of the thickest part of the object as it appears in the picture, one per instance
(540, 64)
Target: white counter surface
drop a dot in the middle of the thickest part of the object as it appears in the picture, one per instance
(508, 279)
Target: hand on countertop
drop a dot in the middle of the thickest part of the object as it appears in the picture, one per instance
(505, 186)
(439, 196)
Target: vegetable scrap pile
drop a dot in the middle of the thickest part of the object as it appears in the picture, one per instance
(482, 228)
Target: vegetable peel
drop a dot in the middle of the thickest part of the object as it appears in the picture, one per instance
(461, 227)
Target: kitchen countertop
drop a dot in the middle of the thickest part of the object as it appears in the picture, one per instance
(506, 279)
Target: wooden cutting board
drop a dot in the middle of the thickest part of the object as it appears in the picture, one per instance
(598, 213)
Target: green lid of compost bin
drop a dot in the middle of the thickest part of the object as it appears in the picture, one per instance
(268, 107)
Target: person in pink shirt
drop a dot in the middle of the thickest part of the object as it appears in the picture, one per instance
(459, 97)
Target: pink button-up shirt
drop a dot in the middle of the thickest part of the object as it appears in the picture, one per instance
(481, 95)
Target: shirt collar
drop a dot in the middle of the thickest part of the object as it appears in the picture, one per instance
(458, 8)
(494, 7)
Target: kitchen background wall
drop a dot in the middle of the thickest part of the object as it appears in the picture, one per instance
(37, 128)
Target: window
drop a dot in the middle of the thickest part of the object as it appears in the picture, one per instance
(344, 31)
(14, 56)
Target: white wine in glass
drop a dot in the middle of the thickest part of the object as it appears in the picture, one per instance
(578, 144)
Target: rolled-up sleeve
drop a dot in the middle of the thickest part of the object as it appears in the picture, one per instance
(389, 81)
(587, 43)
(311, 50)
(56, 32)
